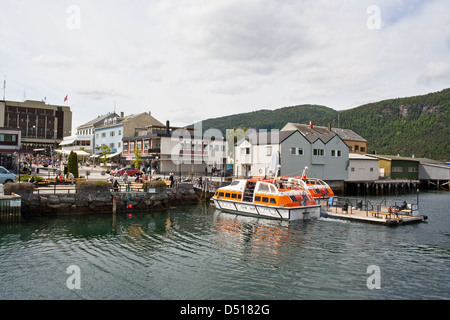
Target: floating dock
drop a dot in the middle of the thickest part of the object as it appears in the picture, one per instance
(378, 214)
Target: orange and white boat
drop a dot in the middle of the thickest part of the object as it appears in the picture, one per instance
(276, 199)
(316, 187)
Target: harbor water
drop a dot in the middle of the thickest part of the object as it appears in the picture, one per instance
(197, 252)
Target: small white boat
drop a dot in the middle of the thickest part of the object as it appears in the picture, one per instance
(273, 199)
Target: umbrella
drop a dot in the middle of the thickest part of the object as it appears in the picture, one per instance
(81, 153)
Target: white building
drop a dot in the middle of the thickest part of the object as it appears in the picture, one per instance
(253, 154)
(84, 137)
(362, 168)
(110, 134)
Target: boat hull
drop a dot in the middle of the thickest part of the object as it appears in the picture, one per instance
(281, 213)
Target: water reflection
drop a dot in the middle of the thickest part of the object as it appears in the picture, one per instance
(198, 252)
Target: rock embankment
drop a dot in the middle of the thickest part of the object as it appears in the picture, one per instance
(100, 200)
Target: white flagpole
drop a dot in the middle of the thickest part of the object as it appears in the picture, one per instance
(4, 89)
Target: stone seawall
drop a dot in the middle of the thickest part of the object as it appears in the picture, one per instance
(102, 202)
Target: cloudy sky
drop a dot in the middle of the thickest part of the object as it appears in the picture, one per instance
(189, 60)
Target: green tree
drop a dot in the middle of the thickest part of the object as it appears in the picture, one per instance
(137, 157)
(105, 151)
(72, 165)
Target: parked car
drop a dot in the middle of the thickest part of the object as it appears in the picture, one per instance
(6, 176)
(130, 171)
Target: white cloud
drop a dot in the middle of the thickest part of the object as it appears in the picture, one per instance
(193, 59)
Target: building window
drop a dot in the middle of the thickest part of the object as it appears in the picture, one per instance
(412, 169)
(336, 153)
(296, 151)
(112, 133)
(397, 169)
(319, 152)
(245, 150)
(268, 150)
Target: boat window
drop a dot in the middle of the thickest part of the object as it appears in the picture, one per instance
(263, 187)
(257, 198)
(265, 200)
(227, 195)
(273, 201)
(234, 183)
(272, 189)
(233, 196)
(294, 199)
(221, 194)
(239, 196)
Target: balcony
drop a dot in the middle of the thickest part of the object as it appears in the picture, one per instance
(154, 150)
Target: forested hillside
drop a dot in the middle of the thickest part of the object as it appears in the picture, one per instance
(418, 126)
(270, 119)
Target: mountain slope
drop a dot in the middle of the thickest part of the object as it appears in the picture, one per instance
(271, 119)
(417, 126)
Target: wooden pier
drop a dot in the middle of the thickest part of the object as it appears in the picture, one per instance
(366, 212)
(381, 187)
(10, 208)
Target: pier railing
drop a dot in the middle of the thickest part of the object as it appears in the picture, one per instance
(349, 204)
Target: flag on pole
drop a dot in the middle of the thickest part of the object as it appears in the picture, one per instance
(66, 98)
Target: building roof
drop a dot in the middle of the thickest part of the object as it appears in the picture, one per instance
(347, 134)
(357, 156)
(98, 121)
(152, 120)
(431, 161)
(390, 158)
(312, 133)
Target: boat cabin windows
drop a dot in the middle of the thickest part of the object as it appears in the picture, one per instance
(266, 188)
(230, 195)
(263, 187)
(270, 200)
